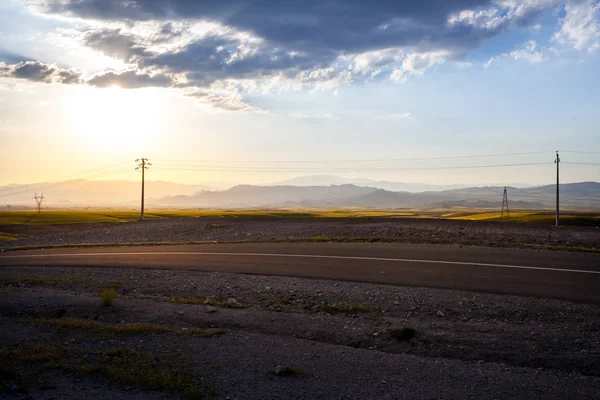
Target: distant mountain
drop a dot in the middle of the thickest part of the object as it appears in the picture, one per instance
(584, 195)
(581, 195)
(93, 193)
(266, 196)
(327, 180)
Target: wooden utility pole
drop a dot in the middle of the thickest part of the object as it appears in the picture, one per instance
(557, 162)
(143, 165)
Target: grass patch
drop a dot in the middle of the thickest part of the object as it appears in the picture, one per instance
(403, 334)
(291, 371)
(74, 324)
(107, 296)
(206, 333)
(208, 300)
(34, 280)
(344, 308)
(22, 362)
(123, 366)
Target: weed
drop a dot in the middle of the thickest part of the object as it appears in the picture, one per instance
(205, 332)
(213, 226)
(403, 334)
(107, 296)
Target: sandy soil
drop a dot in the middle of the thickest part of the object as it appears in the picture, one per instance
(341, 335)
(432, 231)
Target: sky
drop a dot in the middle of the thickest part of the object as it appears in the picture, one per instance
(241, 91)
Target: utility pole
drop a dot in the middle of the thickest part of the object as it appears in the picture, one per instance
(505, 206)
(39, 200)
(143, 165)
(557, 162)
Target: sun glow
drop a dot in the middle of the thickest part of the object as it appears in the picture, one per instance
(115, 118)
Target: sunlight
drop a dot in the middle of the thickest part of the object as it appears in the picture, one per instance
(115, 118)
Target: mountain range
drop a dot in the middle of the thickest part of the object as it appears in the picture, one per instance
(582, 195)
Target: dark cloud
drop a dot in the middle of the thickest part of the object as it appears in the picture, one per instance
(114, 44)
(39, 72)
(308, 25)
(216, 58)
(297, 36)
(130, 80)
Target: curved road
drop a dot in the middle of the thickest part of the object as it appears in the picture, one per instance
(564, 275)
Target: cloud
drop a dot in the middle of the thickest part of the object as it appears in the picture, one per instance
(580, 26)
(317, 44)
(113, 43)
(527, 52)
(416, 64)
(39, 72)
(315, 116)
(131, 80)
(229, 48)
(223, 102)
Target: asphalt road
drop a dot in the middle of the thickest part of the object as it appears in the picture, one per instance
(564, 275)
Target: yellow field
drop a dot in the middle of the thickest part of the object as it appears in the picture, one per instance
(59, 217)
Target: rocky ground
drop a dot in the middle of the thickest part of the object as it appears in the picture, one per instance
(207, 229)
(191, 334)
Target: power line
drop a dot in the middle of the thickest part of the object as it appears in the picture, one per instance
(581, 152)
(73, 181)
(357, 161)
(61, 179)
(253, 169)
(580, 163)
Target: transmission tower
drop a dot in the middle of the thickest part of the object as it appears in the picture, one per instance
(505, 206)
(39, 200)
(143, 165)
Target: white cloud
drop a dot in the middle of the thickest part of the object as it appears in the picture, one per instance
(527, 52)
(580, 27)
(416, 64)
(326, 116)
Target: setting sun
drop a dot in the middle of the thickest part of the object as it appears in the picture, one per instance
(115, 117)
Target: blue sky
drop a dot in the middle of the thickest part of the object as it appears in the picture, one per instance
(87, 84)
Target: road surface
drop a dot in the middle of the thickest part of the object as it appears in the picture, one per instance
(564, 275)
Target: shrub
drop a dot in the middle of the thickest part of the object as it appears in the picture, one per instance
(107, 296)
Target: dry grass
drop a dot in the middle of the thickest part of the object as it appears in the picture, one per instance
(123, 366)
(289, 370)
(206, 333)
(344, 308)
(35, 280)
(73, 324)
(208, 300)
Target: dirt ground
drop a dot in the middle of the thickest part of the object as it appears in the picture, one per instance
(401, 230)
(231, 336)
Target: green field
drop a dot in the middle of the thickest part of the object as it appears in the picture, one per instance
(19, 224)
(58, 217)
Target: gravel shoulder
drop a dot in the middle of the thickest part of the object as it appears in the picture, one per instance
(343, 336)
(398, 230)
